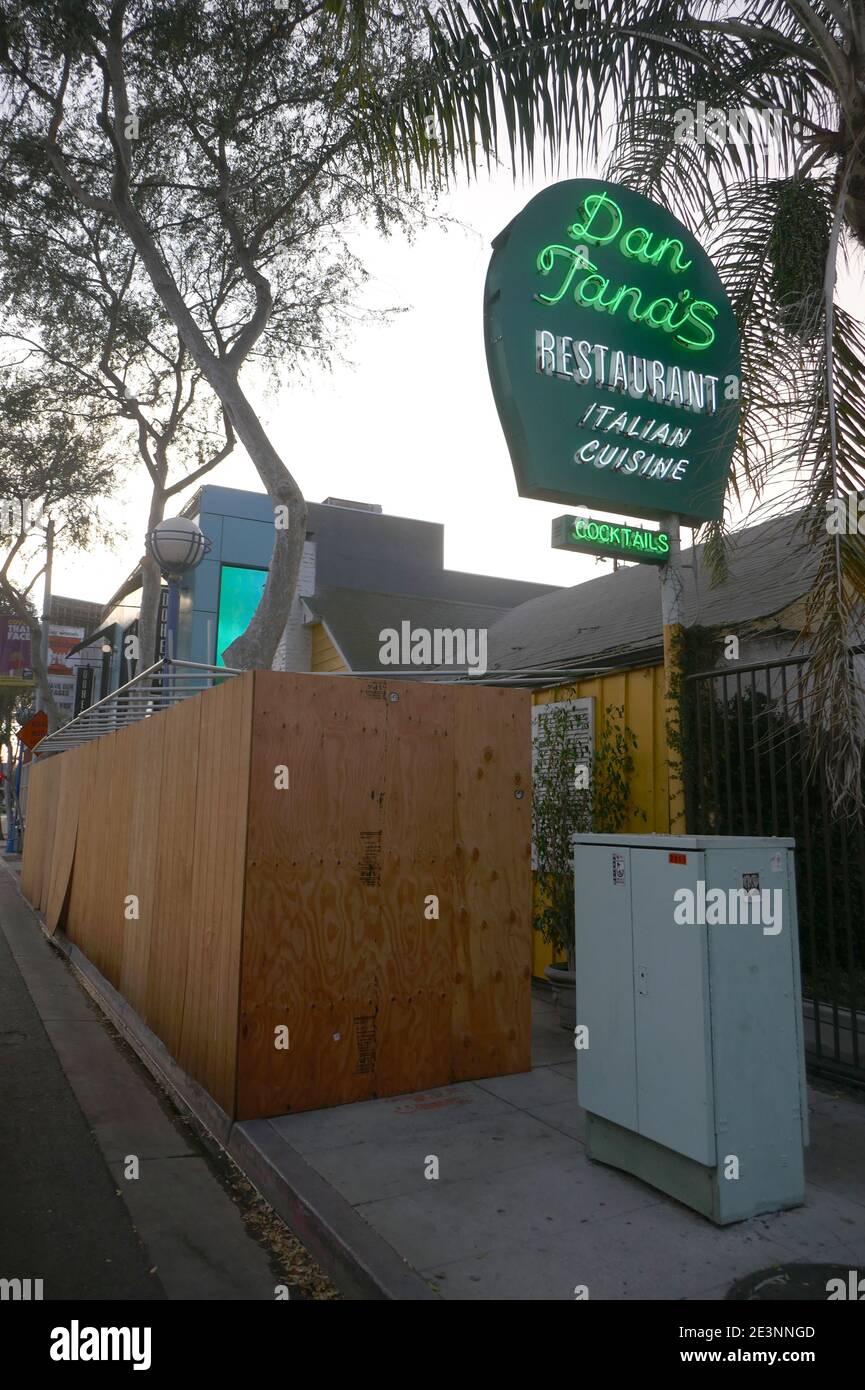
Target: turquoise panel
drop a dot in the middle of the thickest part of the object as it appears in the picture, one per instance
(239, 594)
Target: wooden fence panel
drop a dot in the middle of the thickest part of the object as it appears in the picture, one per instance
(311, 923)
(172, 873)
(208, 1042)
(119, 771)
(399, 792)
(36, 860)
(83, 917)
(148, 855)
(416, 969)
(50, 832)
(138, 934)
(59, 866)
(376, 908)
(492, 831)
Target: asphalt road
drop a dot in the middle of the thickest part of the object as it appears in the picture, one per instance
(61, 1219)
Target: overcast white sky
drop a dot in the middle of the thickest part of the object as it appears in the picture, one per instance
(412, 425)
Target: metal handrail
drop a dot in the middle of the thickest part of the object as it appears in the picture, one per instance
(162, 685)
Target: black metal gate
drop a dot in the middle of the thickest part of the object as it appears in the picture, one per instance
(746, 772)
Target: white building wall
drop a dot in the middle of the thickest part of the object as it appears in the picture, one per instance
(294, 652)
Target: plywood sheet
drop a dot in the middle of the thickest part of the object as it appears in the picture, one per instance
(146, 793)
(36, 858)
(171, 880)
(123, 769)
(59, 866)
(400, 793)
(312, 933)
(307, 908)
(418, 867)
(50, 828)
(143, 833)
(82, 922)
(491, 1017)
(208, 1041)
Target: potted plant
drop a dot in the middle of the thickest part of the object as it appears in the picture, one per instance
(572, 793)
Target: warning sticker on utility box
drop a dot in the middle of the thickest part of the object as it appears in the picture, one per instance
(618, 869)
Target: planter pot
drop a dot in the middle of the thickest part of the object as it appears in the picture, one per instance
(564, 984)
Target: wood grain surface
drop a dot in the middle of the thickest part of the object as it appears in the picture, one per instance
(234, 913)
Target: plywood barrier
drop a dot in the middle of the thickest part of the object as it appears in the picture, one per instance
(362, 931)
(41, 822)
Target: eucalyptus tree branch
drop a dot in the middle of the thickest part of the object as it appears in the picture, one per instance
(256, 324)
(61, 168)
(37, 575)
(175, 414)
(227, 448)
(13, 551)
(297, 193)
(61, 361)
(116, 83)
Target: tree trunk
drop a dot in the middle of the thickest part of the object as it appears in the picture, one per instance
(151, 588)
(55, 719)
(148, 614)
(256, 647)
(7, 764)
(854, 205)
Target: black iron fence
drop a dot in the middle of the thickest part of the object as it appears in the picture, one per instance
(747, 772)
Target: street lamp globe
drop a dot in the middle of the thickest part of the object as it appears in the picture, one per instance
(177, 545)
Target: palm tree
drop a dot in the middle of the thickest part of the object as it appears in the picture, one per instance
(779, 215)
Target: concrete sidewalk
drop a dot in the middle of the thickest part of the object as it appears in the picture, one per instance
(519, 1212)
(73, 1109)
(61, 1220)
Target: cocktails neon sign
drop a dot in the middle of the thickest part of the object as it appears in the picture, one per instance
(611, 540)
(601, 224)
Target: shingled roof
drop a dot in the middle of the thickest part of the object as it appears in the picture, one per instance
(355, 619)
(618, 615)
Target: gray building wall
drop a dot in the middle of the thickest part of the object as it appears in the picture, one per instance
(350, 548)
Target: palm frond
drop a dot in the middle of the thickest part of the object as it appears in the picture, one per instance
(774, 214)
(835, 612)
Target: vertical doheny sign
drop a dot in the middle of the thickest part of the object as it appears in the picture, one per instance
(613, 355)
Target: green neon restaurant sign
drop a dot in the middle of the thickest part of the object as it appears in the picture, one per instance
(613, 355)
(612, 540)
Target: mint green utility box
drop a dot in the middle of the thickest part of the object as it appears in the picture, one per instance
(692, 1066)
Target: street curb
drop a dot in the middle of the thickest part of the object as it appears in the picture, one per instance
(359, 1261)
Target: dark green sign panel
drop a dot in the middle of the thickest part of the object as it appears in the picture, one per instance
(612, 540)
(613, 355)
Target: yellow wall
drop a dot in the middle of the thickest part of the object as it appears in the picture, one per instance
(641, 693)
(325, 656)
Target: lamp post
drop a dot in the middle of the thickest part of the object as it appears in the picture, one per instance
(46, 604)
(177, 545)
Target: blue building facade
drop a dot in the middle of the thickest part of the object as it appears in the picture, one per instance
(219, 597)
(348, 546)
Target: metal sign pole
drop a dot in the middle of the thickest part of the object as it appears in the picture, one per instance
(672, 594)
